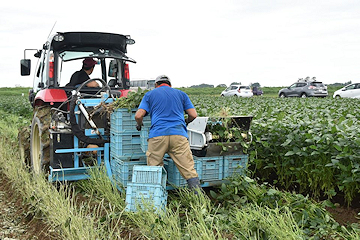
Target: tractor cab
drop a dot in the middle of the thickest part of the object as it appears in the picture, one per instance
(70, 119)
(62, 55)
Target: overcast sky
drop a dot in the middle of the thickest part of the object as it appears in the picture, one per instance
(194, 42)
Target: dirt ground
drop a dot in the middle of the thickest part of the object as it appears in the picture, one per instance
(345, 215)
(16, 219)
(18, 222)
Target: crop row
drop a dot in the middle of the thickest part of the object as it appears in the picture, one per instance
(241, 209)
(16, 104)
(311, 145)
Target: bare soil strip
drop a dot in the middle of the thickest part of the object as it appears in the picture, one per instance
(17, 221)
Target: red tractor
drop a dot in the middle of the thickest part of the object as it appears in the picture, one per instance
(69, 121)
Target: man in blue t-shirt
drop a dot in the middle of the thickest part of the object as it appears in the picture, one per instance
(168, 133)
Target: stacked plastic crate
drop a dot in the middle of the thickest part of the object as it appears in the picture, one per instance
(235, 165)
(147, 189)
(125, 147)
(144, 134)
(174, 177)
(211, 170)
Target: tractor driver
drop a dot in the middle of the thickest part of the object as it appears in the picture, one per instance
(168, 133)
(82, 75)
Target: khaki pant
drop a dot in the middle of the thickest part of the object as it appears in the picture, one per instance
(178, 148)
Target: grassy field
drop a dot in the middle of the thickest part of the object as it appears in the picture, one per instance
(268, 91)
(286, 132)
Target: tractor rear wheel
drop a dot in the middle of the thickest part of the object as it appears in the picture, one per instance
(40, 140)
(24, 145)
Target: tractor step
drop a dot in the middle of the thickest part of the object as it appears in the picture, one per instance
(69, 174)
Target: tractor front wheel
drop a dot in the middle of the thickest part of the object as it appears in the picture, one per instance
(40, 140)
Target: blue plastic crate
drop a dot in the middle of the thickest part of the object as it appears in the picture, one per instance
(149, 174)
(211, 168)
(235, 164)
(122, 169)
(144, 135)
(125, 145)
(173, 175)
(145, 196)
(147, 122)
(123, 121)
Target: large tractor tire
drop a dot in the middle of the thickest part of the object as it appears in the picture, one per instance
(24, 144)
(40, 140)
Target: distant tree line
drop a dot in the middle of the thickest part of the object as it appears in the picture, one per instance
(307, 79)
(204, 85)
(256, 84)
(339, 84)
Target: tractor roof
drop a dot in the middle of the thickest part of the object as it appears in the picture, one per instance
(72, 40)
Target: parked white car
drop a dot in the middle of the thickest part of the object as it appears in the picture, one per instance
(349, 91)
(237, 91)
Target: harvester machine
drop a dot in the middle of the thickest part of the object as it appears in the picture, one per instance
(76, 128)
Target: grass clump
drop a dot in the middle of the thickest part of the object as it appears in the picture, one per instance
(57, 206)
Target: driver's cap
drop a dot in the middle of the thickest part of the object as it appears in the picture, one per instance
(89, 62)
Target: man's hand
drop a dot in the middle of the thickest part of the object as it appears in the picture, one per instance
(139, 115)
(192, 114)
(138, 126)
(187, 121)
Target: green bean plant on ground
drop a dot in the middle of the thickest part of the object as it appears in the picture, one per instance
(310, 145)
(240, 209)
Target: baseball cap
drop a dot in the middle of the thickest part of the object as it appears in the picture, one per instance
(162, 78)
(89, 62)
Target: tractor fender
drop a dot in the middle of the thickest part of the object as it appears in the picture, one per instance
(50, 96)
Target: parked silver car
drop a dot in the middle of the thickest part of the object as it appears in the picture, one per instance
(349, 91)
(305, 89)
(237, 91)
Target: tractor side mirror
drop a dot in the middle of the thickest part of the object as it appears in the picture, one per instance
(25, 67)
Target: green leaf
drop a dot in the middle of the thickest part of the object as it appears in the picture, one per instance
(287, 142)
(271, 192)
(237, 198)
(289, 153)
(213, 194)
(338, 148)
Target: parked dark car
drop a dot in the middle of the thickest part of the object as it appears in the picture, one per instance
(257, 91)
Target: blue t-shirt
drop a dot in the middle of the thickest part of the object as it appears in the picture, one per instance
(166, 107)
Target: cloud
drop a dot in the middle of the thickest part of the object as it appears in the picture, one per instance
(270, 42)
